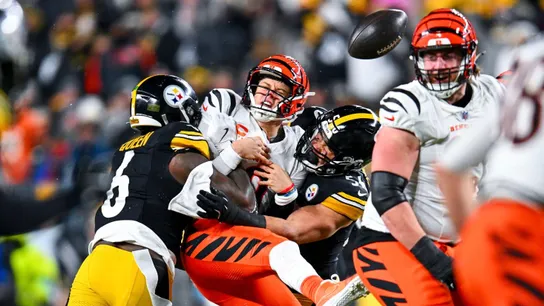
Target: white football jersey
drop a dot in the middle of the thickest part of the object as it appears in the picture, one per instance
(435, 123)
(225, 119)
(511, 142)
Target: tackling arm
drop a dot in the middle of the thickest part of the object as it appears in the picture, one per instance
(238, 188)
(308, 224)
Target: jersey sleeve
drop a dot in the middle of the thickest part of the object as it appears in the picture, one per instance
(399, 109)
(346, 195)
(221, 100)
(185, 137)
(217, 125)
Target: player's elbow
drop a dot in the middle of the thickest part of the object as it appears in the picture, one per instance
(387, 190)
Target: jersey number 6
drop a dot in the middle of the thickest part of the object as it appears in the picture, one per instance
(118, 192)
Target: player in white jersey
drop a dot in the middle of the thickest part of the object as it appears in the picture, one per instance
(251, 271)
(407, 235)
(277, 88)
(500, 261)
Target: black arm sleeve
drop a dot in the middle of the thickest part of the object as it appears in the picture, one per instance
(387, 190)
(20, 212)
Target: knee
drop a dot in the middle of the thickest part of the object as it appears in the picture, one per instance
(283, 251)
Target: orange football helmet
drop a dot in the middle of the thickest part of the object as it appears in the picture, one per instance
(442, 29)
(283, 68)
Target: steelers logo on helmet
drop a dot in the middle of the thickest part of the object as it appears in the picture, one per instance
(173, 95)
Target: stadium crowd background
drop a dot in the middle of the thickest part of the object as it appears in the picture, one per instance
(68, 66)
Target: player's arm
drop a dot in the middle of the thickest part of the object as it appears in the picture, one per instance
(21, 211)
(308, 224)
(305, 225)
(238, 187)
(393, 159)
(220, 129)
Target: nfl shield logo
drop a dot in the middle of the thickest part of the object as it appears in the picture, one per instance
(463, 116)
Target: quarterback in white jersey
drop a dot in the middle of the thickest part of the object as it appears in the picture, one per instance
(511, 221)
(276, 90)
(406, 225)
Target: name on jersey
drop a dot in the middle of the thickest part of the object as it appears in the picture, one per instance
(136, 142)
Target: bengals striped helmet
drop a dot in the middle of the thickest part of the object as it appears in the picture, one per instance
(444, 29)
(287, 70)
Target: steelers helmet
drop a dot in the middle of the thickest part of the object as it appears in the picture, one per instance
(160, 99)
(349, 133)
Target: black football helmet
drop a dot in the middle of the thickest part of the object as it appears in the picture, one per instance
(307, 118)
(160, 99)
(349, 133)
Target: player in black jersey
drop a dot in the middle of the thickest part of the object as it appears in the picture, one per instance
(334, 148)
(138, 230)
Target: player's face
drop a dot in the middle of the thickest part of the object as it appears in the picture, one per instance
(320, 146)
(443, 65)
(270, 93)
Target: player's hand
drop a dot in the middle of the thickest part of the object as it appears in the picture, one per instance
(435, 261)
(252, 148)
(217, 206)
(274, 177)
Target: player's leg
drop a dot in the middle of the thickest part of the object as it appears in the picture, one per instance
(394, 275)
(500, 259)
(216, 252)
(112, 276)
(231, 259)
(81, 292)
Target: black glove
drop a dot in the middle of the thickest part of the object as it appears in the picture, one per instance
(434, 260)
(217, 206)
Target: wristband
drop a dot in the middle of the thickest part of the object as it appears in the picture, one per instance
(227, 161)
(244, 218)
(286, 198)
(287, 190)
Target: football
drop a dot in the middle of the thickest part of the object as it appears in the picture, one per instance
(377, 34)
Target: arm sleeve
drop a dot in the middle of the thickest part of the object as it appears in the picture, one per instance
(20, 212)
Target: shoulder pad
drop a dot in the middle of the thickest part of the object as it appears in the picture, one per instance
(401, 98)
(400, 107)
(346, 194)
(185, 137)
(223, 100)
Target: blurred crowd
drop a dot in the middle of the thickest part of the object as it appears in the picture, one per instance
(68, 67)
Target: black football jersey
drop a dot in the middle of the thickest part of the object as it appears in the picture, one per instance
(346, 195)
(142, 186)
